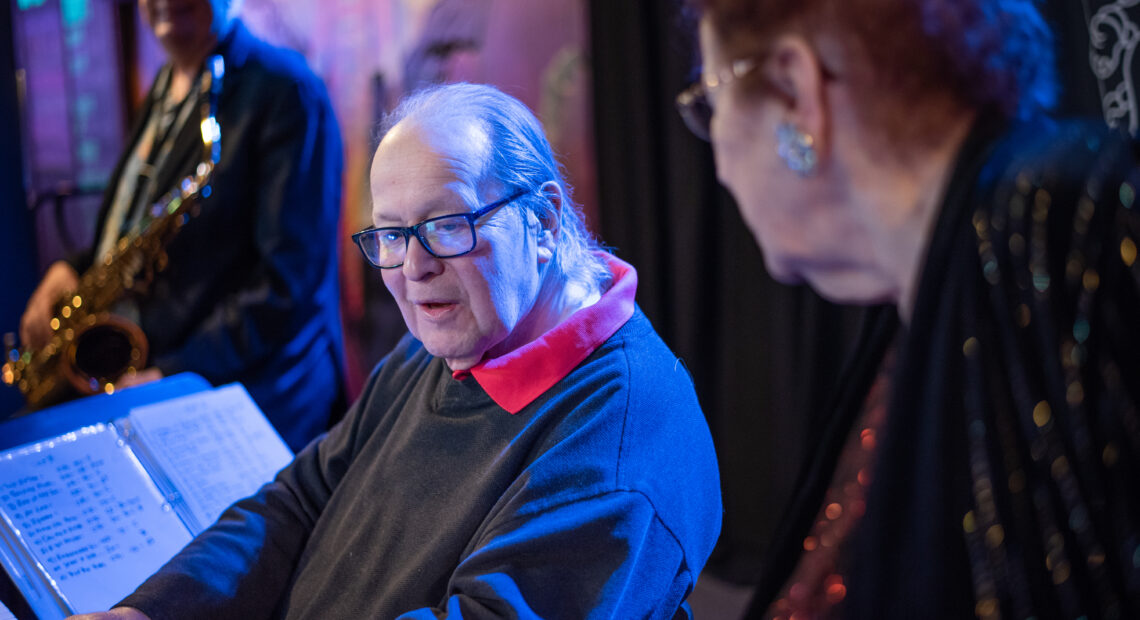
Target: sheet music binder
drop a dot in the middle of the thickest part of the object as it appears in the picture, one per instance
(88, 513)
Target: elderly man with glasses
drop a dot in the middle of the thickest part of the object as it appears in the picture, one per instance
(531, 449)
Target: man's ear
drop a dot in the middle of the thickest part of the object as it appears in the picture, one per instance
(550, 221)
(795, 71)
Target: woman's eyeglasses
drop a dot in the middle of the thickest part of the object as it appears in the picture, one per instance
(693, 102)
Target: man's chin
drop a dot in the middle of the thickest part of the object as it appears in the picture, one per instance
(456, 364)
(457, 358)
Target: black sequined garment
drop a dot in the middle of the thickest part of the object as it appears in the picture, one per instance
(1007, 483)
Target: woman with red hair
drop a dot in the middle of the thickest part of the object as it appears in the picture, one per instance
(983, 454)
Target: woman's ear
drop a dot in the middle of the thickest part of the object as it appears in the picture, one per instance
(797, 75)
(550, 220)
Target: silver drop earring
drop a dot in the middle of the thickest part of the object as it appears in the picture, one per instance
(796, 148)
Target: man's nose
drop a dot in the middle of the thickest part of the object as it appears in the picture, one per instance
(418, 262)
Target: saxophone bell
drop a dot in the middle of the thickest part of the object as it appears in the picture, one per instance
(91, 348)
(103, 352)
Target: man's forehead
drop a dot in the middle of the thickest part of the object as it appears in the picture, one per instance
(412, 145)
(426, 168)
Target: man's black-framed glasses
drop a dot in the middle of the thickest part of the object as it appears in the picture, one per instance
(446, 236)
(693, 102)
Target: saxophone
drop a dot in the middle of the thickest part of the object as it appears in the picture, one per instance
(91, 347)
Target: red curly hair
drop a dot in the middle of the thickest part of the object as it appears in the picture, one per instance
(963, 54)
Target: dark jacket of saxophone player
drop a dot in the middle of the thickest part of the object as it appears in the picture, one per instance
(250, 290)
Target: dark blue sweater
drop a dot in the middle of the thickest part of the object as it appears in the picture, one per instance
(599, 499)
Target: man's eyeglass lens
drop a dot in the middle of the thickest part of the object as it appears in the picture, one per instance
(446, 236)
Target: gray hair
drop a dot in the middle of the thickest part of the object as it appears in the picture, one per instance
(520, 158)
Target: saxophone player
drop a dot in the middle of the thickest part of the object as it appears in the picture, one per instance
(249, 288)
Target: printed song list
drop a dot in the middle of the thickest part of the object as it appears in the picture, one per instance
(89, 514)
(215, 446)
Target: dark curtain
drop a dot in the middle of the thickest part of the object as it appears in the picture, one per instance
(17, 250)
(17, 236)
(764, 356)
(1079, 93)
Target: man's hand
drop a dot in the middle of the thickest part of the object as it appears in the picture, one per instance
(35, 328)
(118, 613)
